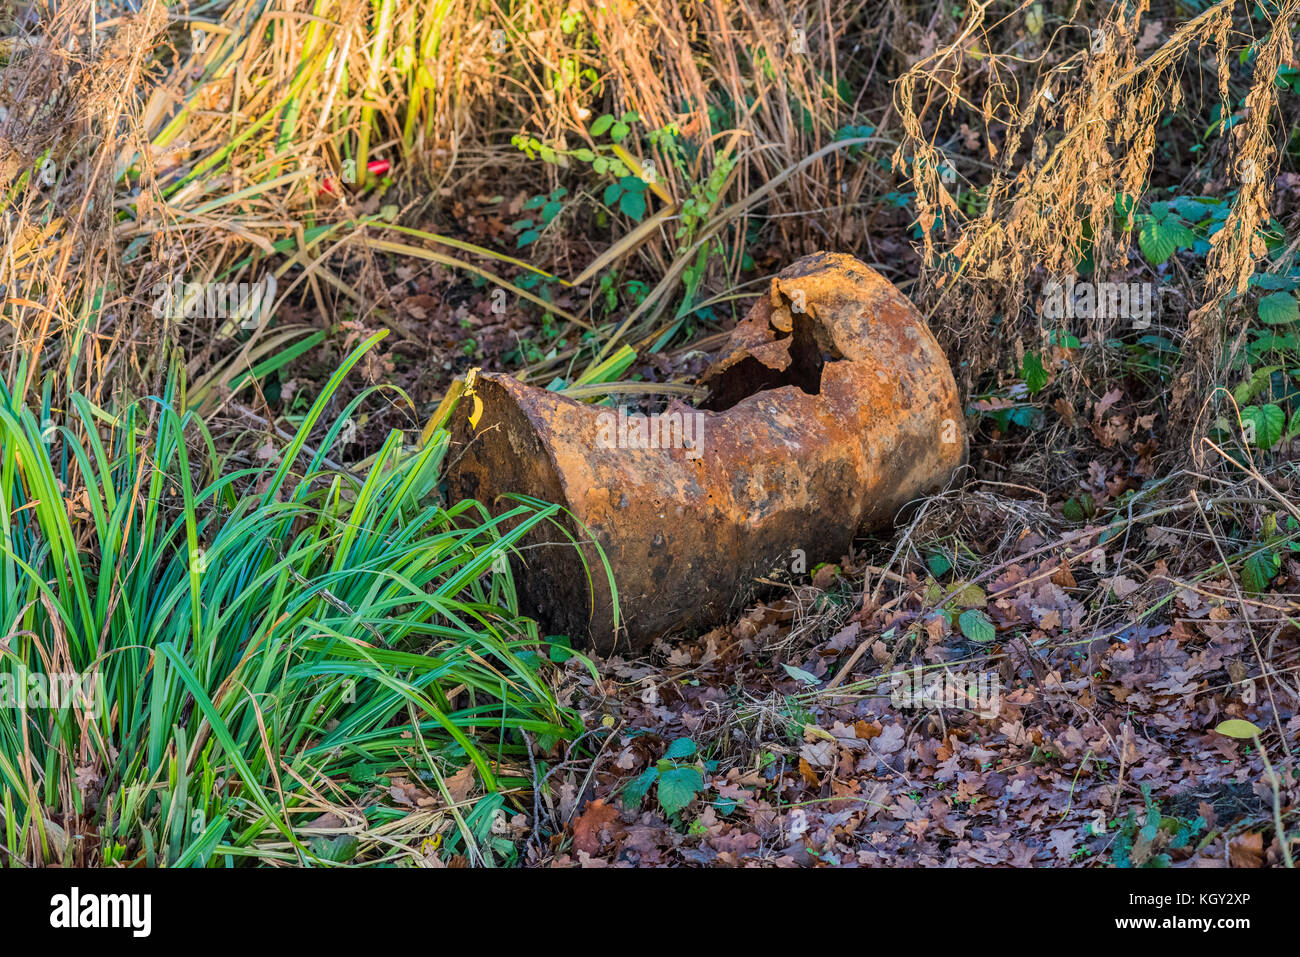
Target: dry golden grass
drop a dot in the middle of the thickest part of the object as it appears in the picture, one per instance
(1070, 116)
(198, 146)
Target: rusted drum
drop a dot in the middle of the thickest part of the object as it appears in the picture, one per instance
(831, 408)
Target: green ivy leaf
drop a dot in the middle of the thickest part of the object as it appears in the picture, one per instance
(975, 625)
(678, 787)
(1279, 308)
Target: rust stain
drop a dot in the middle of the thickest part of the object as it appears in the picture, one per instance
(832, 408)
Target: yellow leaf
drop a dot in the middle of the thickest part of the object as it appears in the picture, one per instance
(1237, 728)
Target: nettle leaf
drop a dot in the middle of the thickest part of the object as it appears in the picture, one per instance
(1279, 308)
(975, 625)
(1260, 569)
(678, 787)
(1033, 372)
(1237, 728)
(681, 748)
(1157, 242)
(1262, 425)
(636, 791)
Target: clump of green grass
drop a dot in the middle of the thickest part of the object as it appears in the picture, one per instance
(266, 642)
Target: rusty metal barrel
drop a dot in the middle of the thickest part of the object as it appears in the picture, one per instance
(830, 409)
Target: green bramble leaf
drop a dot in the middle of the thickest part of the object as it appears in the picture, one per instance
(636, 791)
(681, 748)
(938, 565)
(1260, 569)
(1262, 425)
(1157, 242)
(1279, 308)
(678, 787)
(633, 204)
(975, 625)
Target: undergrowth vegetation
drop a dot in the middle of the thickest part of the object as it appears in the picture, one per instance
(229, 512)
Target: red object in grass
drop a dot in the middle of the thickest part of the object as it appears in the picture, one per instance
(374, 168)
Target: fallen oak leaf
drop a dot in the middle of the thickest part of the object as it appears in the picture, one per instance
(1247, 850)
(460, 784)
(587, 829)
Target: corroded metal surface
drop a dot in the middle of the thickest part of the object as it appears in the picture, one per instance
(830, 410)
